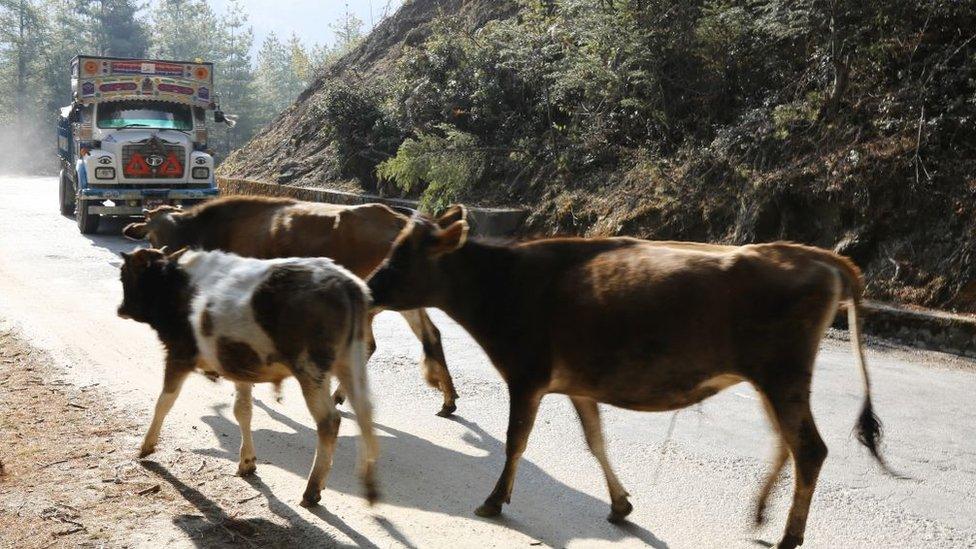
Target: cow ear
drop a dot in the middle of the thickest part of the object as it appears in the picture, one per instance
(125, 256)
(452, 215)
(175, 256)
(135, 231)
(451, 238)
(159, 210)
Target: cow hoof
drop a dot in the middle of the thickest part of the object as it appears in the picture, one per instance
(619, 511)
(790, 541)
(247, 467)
(311, 499)
(447, 410)
(489, 509)
(760, 517)
(372, 495)
(145, 451)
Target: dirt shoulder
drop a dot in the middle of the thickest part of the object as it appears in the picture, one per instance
(69, 476)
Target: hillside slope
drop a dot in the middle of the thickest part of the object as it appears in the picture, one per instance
(299, 148)
(845, 125)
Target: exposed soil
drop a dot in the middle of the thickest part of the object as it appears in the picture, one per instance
(69, 476)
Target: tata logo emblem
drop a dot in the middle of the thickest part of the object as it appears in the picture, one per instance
(155, 160)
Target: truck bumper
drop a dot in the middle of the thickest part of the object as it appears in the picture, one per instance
(131, 201)
(148, 194)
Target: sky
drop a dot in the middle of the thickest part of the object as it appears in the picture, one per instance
(309, 19)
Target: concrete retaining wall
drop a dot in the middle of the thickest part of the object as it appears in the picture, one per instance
(925, 329)
(483, 221)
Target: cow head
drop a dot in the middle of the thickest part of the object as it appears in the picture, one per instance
(411, 275)
(160, 227)
(151, 284)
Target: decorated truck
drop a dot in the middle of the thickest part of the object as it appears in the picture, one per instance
(135, 137)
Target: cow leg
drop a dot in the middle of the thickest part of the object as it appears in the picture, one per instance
(779, 461)
(242, 411)
(326, 419)
(523, 405)
(433, 362)
(339, 396)
(792, 410)
(172, 383)
(353, 378)
(589, 414)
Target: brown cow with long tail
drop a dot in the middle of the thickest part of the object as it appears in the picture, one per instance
(642, 325)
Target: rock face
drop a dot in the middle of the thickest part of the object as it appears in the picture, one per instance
(296, 149)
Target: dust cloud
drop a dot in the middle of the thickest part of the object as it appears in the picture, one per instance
(28, 151)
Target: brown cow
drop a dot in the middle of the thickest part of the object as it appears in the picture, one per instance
(642, 325)
(356, 237)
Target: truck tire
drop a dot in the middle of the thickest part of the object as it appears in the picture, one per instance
(66, 195)
(87, 222)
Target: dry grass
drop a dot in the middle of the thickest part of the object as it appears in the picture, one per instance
(69, 476)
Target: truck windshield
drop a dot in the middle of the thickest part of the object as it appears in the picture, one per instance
(145, 114)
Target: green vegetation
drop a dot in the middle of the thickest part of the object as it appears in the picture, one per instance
(574, 88)
(443, 163)
(843, 124)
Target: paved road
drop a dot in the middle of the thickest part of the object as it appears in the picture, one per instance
(61, 289)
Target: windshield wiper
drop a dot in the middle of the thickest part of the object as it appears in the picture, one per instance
(137, 125)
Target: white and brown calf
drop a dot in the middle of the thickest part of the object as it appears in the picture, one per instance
(255, 321)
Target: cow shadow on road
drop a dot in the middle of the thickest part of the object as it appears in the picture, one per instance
(214, 527)
(418, 474)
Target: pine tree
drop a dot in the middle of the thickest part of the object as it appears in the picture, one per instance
(61, 44)
(113, 28)
(22, 28)
(273, 77)
(184, 30)
(235, 78)
(300, 67)
(348, 31)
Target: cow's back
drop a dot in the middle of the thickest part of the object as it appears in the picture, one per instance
(356, 237)
(682, 309)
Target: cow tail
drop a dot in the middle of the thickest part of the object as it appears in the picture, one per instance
(868, 429)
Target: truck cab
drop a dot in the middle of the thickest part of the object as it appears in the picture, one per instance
(135, 137)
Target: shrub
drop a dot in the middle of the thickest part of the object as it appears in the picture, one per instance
(359, 129)
(443, 167)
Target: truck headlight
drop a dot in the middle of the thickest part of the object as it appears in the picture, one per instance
(104, 173)
(201, 173)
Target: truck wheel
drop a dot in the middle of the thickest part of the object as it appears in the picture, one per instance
(66, 195)
(87, 222)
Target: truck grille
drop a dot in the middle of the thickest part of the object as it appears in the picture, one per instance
(153, 151)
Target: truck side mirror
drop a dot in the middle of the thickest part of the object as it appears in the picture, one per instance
(219, 116)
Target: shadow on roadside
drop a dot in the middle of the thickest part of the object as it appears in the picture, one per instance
(109, 235)
(418, 474)
(215, 528)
